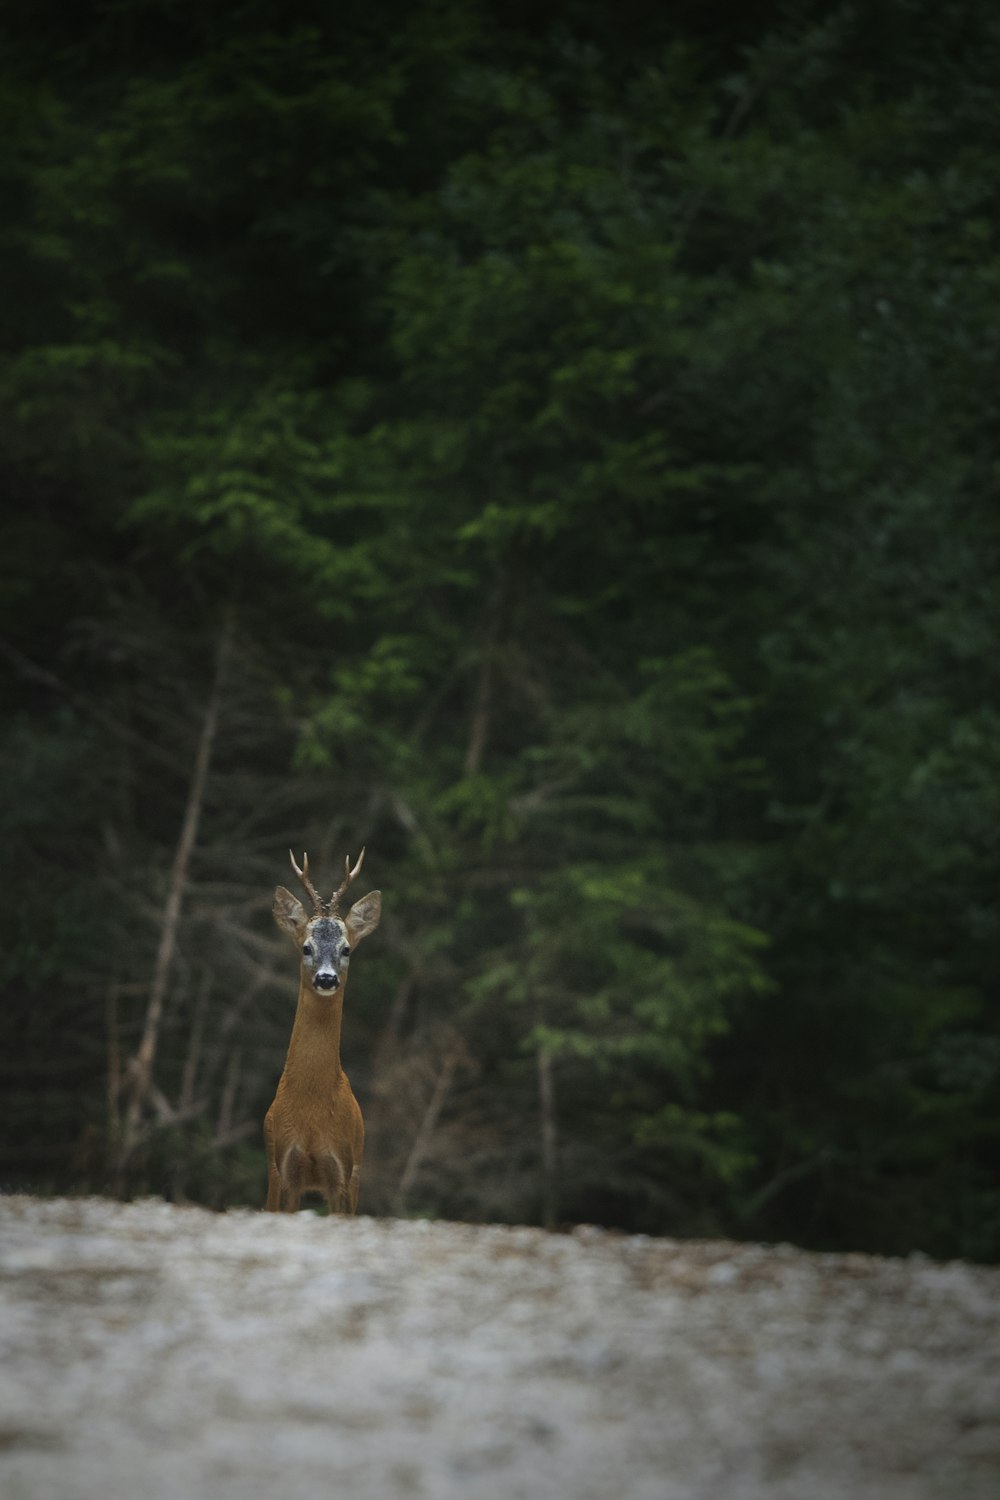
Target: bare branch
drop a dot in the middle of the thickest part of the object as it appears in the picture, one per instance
(142, 1064)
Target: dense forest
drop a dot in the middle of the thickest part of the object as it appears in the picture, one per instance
(557, 447)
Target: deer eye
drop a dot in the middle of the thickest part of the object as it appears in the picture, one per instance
(345, 952)
(307, 950)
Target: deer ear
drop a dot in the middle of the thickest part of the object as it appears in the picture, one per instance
(289, 913)
(363, 917)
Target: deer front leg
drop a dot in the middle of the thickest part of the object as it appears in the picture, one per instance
(273, 1191)
(291, 1180)
(335, 1183)
(273, 1178)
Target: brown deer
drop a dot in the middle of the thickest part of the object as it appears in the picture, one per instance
(313, 1132)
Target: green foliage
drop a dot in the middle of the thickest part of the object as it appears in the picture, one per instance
(591, 428)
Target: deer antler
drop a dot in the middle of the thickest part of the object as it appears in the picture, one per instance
(349, 876)
(303, 875)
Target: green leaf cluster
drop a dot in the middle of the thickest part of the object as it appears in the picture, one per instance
(590, 424)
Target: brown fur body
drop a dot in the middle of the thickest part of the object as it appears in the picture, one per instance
(314, 1132)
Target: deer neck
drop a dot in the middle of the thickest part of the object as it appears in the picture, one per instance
(314, 1049)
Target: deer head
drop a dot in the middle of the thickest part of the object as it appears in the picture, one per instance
(325, 940)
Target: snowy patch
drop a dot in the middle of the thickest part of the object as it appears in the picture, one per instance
(169, 1353)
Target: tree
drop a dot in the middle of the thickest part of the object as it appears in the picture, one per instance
(588, 428)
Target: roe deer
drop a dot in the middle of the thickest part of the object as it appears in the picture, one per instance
(313, 1132)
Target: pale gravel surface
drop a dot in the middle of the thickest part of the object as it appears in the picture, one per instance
(156, 1353)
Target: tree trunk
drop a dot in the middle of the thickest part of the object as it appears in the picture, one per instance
(141, 1066)
(193, 1059)
(547, 1106)
(114, 1082)
(423, 1137)
(482, 705)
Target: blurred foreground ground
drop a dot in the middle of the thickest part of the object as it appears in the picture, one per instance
(167, 1353)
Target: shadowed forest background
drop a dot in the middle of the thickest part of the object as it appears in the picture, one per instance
(557, 447)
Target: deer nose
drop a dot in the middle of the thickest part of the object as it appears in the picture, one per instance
(326, 980)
